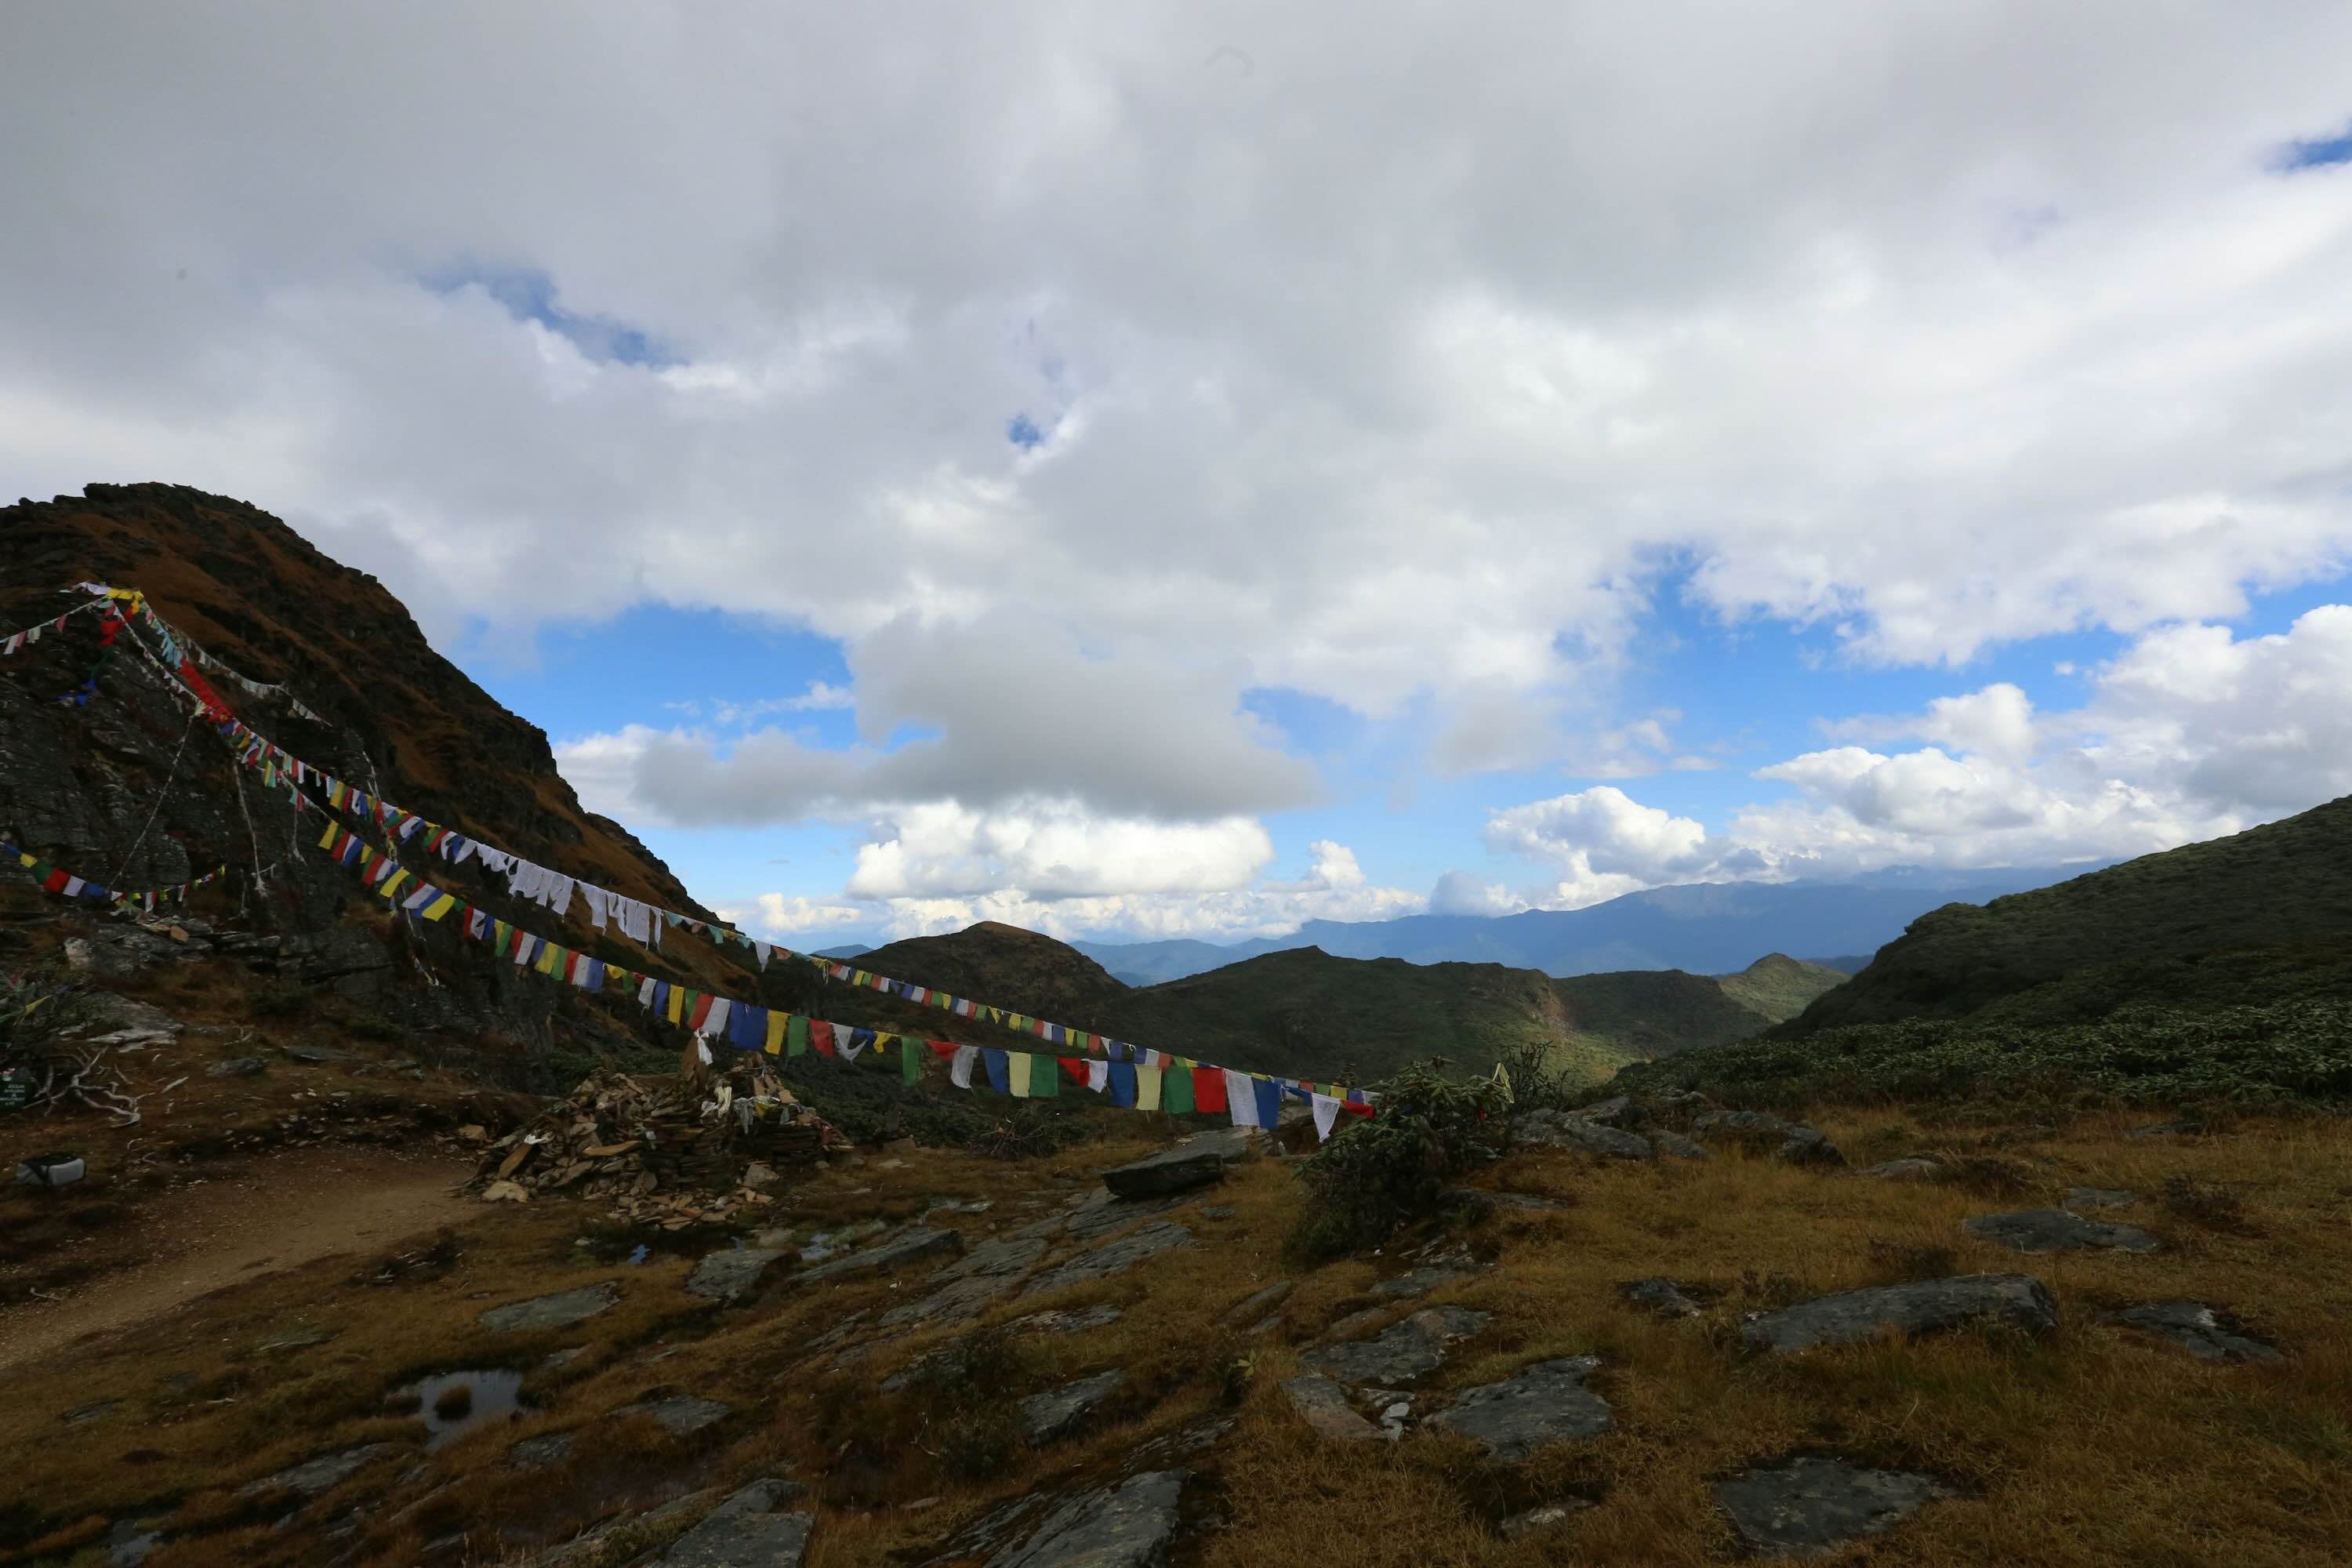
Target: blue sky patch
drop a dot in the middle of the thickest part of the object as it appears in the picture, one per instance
(529, 295)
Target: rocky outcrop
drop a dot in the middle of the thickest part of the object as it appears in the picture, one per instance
(1059, 1413)
(2056, 1230)
(1925, 1306)
(1546, 1403)
(744, 1532)
(1129, 1525)
(2203, 1332)
(733, 1276)
(1323, 1404)
(1663, 1297)
(1177, 1170)
(1792, 1143)
(1406, 1353)
(1809, 1507)
(559, 1311)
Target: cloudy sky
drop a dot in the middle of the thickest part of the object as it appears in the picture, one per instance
(1181, 469)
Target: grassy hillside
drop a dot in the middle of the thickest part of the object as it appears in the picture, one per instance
(1779, 987)
(2215, 972)
(1306, 1013)
(2182, 924)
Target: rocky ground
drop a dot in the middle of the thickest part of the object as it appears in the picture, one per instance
(1859, 1339)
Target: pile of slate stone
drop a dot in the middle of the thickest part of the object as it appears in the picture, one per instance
(661, 1148)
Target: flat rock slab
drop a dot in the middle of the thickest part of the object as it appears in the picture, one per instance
(1546, 1403)
(744, 1532)
(1059, 1413)
(1809, 1507)
(888, 1256)
(1419, 1282)
(970, 1282)
(539, 1453)
(680, 1414)
(2081, 1198)
(237, 1067)
(1100, 1213)
(1323, 1406)
(1177, 1170)
(735, 1276)
(556, 1312)
(1661, 1296)
(116, 1020)
(1665, 1140)
(1535, 1202)
(1792, 1143)
(1074, 1320)
(314, 1475)
(1406, 1353)
(1925, 1306)
(1130, 1525)
(1556, 1130)
(1540, 1518)
(1111, 1257)
(2055, 1230)
(1257, 1304)
(2201, 1330)
(320, 1054)
(1911, 1169)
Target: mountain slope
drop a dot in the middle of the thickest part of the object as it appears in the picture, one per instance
(1707, 928)
(1779, 987)
(1307, 1013)
(2257, 916)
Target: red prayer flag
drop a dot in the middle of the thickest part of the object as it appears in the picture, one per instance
(1209, 1090)
(820, 1035)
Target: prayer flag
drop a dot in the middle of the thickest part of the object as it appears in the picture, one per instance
(1018, 1066)
(1208, 1089)
(1176, 1095)
(1147, 1089)
(821, 1036)
(796, 1036)
(1000, 1069)
(1123, 1085)
(959, 1070)
(1241, 1101)
(778, 1022)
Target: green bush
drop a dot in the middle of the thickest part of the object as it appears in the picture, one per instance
(281, 999)
(1396, 1165)
(2290, 1053)
(972, 1409)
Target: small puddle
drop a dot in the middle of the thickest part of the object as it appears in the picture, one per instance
(453, 1404)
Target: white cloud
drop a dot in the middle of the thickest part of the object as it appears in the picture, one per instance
(1460, 893)
(1883, 372)
(1054, 850)
(820, 695)
(2190, 733)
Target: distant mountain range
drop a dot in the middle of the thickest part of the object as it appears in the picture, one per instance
(1306, 1013)
(1706, 929)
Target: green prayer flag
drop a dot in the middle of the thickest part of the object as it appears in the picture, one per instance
(796, 1036)
(1176, 1088)
(911, 1059)
(1045, 1079)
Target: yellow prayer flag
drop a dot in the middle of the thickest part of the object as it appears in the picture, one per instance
(1147, 1089)
(327, 839)
(440, 906)
(1016, 1073)
(390, 885)
(776, 1032)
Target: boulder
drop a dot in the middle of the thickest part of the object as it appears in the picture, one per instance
(1058, 1413)
(538, 1452)
(1925, 1306)
(1406, 1353)
(1129, 1525)
(1914, 1169)
(1661, 1296)
(109, 1019)
(2201, 1330)
(1617, 1110)
(1177, 1170)
(1557, 1130)
(1808, 1507)
(1540, 1518)
(1257, 1304)
(1546, 1403)
(1323, 1406)
(1111, 1257)
(679, 1415)
(1792, 1143)
(744, 1532)
(237, 1067)
(2055, 1230)
(727, 1278)
(1665, 1140)
(314, 1475)
(888, 1256)
(556, 1312)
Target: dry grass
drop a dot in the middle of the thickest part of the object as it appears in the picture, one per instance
(2098, 1446)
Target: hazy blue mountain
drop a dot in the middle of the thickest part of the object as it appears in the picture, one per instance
(846, 952)
(1706, 929)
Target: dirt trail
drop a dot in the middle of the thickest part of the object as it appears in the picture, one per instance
(282, 1212)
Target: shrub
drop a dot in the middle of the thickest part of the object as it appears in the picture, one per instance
(1397, 1166)
(973, 1420)
(282, 999)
